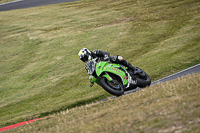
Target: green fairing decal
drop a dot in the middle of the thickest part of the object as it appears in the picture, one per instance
(113, 68)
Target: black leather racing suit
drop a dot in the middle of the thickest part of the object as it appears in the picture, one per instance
(114, 59)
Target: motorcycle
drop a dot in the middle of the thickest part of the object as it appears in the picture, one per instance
(116, 78)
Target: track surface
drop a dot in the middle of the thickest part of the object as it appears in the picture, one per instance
(19, 4)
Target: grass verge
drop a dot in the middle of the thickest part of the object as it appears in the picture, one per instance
(40, 73)
(6, 1)
(167, 107)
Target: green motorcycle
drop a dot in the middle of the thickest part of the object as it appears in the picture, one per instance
(116, 78)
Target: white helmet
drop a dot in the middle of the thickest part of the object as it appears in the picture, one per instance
(84, 54)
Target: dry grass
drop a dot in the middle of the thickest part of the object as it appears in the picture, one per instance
(40, 73)
(167, 107)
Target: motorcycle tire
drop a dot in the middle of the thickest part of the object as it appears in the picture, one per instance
(143, 82)
(110, 88)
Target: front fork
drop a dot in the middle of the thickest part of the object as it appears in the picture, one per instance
(93, 79)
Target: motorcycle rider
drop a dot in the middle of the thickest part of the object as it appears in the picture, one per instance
(85, 55)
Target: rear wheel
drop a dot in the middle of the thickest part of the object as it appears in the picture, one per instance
(142, 78)
(113, 87)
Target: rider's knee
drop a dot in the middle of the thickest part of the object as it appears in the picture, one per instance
(120, 58)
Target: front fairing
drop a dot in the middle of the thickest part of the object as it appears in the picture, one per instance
(103, 67)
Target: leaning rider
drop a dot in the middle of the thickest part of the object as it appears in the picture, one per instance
(85, 55)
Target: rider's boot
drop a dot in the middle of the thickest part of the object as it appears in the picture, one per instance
(131, 67)
(125, 63)
(134, 69)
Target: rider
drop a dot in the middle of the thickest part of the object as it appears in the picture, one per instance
(85, 55)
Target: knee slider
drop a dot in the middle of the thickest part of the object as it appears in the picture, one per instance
(120, 58)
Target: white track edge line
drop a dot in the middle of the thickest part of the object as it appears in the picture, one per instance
(177, 73)
(11, 2)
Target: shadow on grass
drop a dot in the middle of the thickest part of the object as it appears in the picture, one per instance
(78, 103)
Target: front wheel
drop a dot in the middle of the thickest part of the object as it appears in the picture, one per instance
(114, 88)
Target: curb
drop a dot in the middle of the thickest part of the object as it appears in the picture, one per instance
(18, 125)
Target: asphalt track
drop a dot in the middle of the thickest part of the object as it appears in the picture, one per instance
(191, 70)
(19, 4)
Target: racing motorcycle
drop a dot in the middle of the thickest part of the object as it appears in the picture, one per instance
(116, 78)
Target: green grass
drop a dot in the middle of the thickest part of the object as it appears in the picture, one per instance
(40, 73)
(167, 107)
(6, 1)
